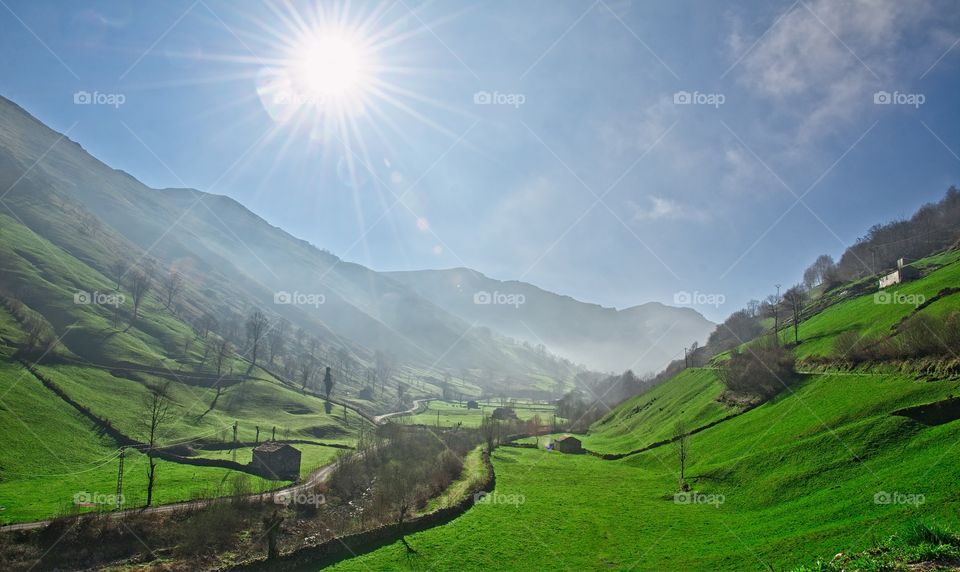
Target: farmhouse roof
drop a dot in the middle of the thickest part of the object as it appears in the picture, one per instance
(272, 447)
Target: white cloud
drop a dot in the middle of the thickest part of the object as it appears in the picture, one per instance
(824, 59)
(666, 209)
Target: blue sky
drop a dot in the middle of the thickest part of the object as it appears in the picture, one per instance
(587, 175)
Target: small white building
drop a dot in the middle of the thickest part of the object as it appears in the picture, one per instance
(901, 274)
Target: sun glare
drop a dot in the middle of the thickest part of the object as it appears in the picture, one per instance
(331, 65)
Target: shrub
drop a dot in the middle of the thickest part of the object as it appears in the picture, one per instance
(921, 532)
(763, 370)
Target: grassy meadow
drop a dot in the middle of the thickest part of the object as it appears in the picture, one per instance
(798, 478)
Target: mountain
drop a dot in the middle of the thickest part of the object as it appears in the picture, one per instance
(231, 262)
(643, 338)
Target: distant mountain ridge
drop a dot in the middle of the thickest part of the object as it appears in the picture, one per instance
(235, 261)
(643, 338)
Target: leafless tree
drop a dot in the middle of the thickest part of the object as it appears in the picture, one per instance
(155, 412)
(682, 446)
(327, 383)
(206, 323)
(256, 327)
(383, 363)
(772, 310)
(140, 284)
(117, 271)
(795, 298)
(172, 286)
(307, 366)
(277, 338)
(223, 352)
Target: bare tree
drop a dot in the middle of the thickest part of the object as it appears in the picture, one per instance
(206, 323)
(307, 366)
(772, 310)
(277, 338)
(117, 271)
(172, 286)
(682, 446)
(271, 525)
(383, 364)
(155, 412)
(795, 298)
(327, 383)
(139, 286)
(223, 352)
(256, 327)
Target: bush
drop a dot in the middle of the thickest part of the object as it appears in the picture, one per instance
(923, 532)
(763, 370)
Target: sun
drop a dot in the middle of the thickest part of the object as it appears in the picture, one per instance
(331, 64)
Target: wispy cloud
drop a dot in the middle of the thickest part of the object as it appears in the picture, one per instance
(822, 61)
(661, 208)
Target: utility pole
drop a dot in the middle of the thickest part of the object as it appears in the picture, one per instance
(776, 316)
(119, 497)
(235, 423)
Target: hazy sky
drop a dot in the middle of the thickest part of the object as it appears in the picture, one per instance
(542, 141)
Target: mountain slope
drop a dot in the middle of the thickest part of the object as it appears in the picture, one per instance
(232, 260)
(643, 338)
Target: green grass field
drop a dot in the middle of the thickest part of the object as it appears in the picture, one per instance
(797, 478)
(51, 453)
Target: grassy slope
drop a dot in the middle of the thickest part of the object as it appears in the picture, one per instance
(863, 315)
(652, 415)
(793, 491)
(58, 454)
(50, 453)
(797, 475)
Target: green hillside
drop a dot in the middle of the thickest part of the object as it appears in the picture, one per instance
(109, 368)
(822, 468)
(52, 453)
(691, 397)
(870, 319)
(797, 478)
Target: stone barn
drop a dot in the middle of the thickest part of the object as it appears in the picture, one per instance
(903, 273)
(568, 444)
(277, 461)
